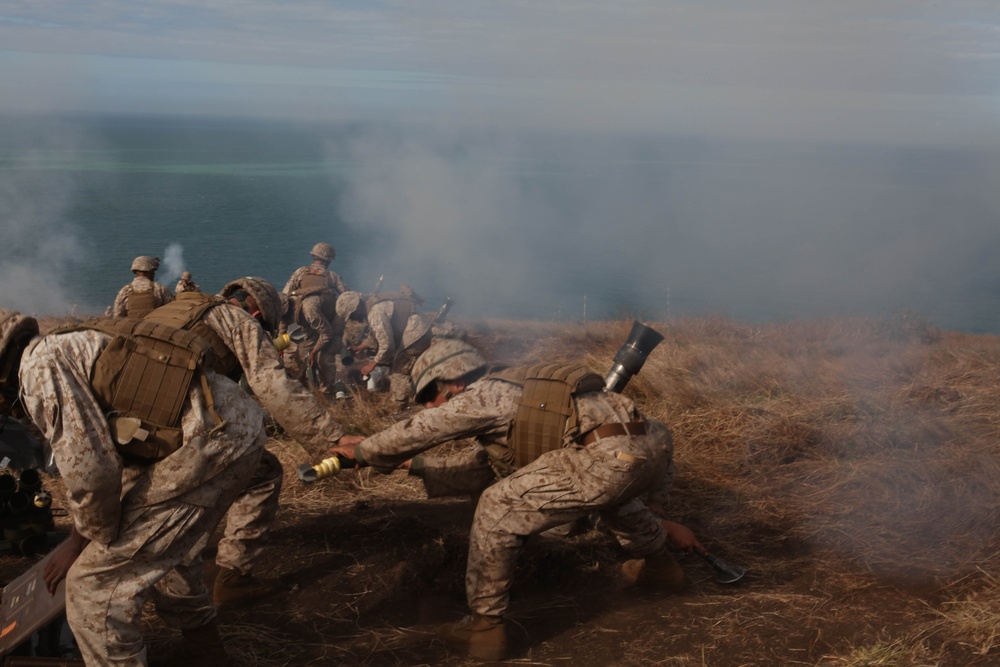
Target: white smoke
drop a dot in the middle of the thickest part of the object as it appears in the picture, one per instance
(173, 263)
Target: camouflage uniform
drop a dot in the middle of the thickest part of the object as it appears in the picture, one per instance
(161, 295)
(149, 524)
(323, 329)
(397, 350)
(605, 477)
(186, 284)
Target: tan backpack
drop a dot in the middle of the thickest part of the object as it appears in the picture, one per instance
(143, 377)
(546, 416)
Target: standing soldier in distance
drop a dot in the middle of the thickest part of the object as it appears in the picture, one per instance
(312, 292)
(143, 294)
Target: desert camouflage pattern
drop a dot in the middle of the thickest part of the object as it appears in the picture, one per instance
(380, 321)
(322, 331)
(605, 478)
(186, 285)
(295, 280)
(149, 524)
(161, 294)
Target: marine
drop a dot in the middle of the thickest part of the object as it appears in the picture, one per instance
(143, 502)
(397, 334)
(143, 294)
(312, 292)
(603, 458)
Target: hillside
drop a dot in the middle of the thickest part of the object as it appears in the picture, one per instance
(850, 466)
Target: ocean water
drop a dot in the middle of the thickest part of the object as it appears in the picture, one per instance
(527, 227)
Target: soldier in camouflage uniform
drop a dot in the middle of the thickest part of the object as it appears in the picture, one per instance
(312, 293)
(186, 284)
(140, 528)
(399, 335)
(615, 456)
(143, 294)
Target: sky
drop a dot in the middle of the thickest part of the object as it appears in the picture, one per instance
(858, 70)
(761, 158)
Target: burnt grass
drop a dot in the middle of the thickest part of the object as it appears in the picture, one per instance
(850, 466)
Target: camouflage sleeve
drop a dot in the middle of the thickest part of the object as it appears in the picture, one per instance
(338, 282)
(292, 405)
(121, 301)
(55, 389)
(380, 323)
(484, 409)
(293, 282)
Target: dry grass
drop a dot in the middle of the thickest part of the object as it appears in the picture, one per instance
(851, 466)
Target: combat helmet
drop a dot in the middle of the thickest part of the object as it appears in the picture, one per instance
(263, 293)
(323, 251)
(15, 329)
(447, 359)
(347, 303)
(145, 263)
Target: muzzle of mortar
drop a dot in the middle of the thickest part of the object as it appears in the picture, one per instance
(631, 356)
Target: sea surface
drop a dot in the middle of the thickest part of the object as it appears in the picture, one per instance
(555, 228)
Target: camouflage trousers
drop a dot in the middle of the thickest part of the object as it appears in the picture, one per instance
(250, 517)
(157, 552)
(560, 487)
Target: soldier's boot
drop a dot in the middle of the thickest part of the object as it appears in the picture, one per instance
(483, 637)
(203, 647)
(232, 587)
(660, 570)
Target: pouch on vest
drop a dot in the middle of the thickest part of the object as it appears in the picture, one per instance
(140, 304)
(546, 416)
(142, 378)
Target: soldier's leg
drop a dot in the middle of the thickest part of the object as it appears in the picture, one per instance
(251, 516)
(247, 523)
(559, 487)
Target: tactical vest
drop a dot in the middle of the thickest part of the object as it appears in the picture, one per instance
(316, 281)
(143, 377)
(140, 304)
(546, 417)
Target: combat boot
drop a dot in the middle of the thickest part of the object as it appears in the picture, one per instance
(232, 587)
(203, 647)
(660, 570)
(483, 637)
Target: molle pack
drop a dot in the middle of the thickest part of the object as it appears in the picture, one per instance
(546, 416)
(143, 376)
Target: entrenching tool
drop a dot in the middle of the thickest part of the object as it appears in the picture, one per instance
(725, 574)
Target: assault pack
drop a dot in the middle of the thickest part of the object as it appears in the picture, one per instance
(140, 303)
(546, 417)
(143, 376)
(315, 281)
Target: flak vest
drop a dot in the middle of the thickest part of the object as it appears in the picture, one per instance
(140, 304)
(546, 417)
(315, 282)
(143, 377)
